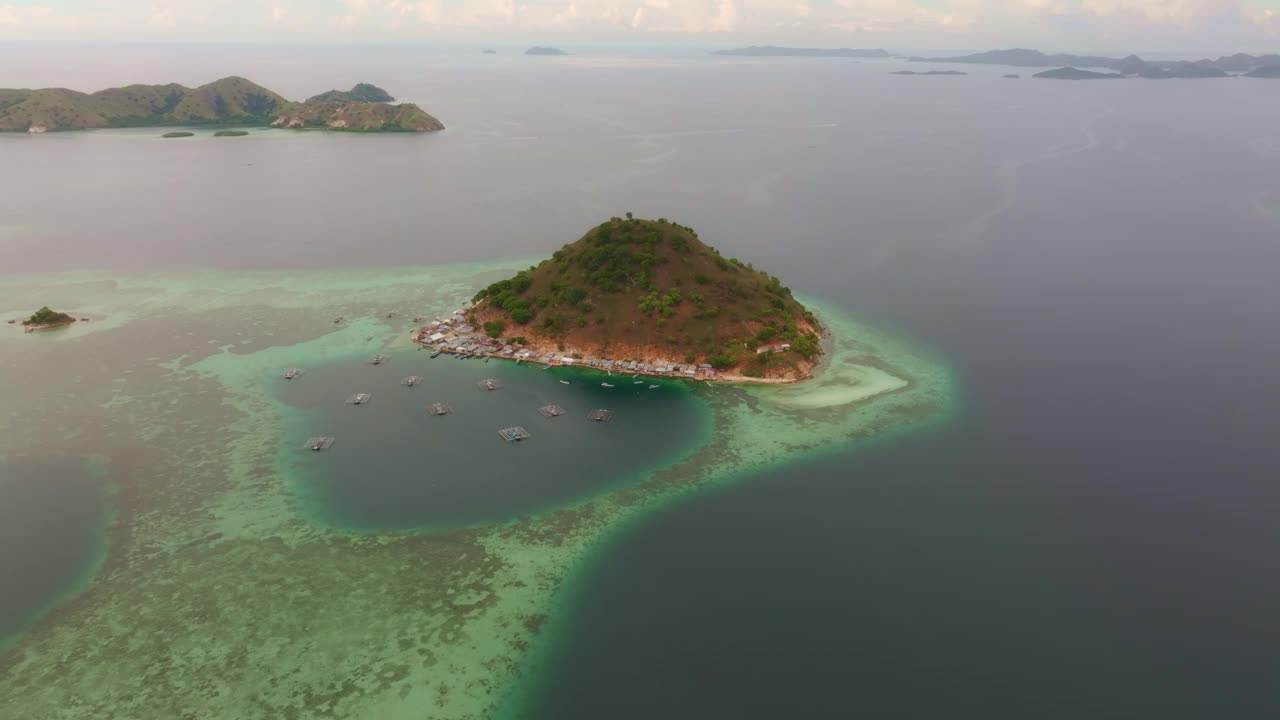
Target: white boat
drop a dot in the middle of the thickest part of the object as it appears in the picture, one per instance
(564, 382)
(605, 385)
(638, 382)
(651, 387)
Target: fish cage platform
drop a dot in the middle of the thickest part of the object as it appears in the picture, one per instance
(319, 443)
(359, 399)
(411, 381)
(514, 434)
(489, 384)
(600, 415)
(551, 411)
(440, 409)
(379, 359)
(292, 373)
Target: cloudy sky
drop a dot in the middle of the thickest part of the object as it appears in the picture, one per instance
(1172, 25)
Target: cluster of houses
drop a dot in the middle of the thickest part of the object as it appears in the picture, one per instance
(455, 336)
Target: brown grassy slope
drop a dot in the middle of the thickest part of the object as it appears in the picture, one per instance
(604, 295)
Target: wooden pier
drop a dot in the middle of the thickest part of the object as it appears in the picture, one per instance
(514, 434)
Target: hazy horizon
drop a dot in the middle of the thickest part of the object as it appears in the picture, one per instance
(1156, 26)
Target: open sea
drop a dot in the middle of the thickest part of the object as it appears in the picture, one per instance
(1092, 532)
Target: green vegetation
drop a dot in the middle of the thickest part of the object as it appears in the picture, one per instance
(654, 286)
(45, 316)
(361, 93)
(229, 101)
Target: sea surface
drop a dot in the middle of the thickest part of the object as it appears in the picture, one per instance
(1092, 534)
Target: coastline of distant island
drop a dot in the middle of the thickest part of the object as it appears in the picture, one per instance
(539, 50)
(928, 72)
(1237, 65)
(776, 51)
(230, 101)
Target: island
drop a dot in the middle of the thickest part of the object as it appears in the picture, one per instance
(929, 72)
(1270, 71)
(360, 93)
(1011, 76)
(1070, 73)
(1130, 65)
(489, 52)
(177, 134)
(46, 318)
(230, 101)
(640, 297)
(231, 133)
(544, 51)
(775, 51)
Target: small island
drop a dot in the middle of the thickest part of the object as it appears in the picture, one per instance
(231, 133)
(489, 52)
(1011, 76)
(544, 51)
(640, 297)
(775, 51)
(46, 318)
(929, 72)
(231, 101)
(178, 134)
(1070, 73)
(360, 93)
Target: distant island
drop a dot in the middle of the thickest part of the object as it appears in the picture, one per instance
(1131, 65)
(360, 93)
(229, 101)
(1011, 76)
(641, 297)
(178, 134)
(775, 51)
(489, 52)
(46, 318)
(1070, 73)
(929, 72)
(231, 133)
(544, 51)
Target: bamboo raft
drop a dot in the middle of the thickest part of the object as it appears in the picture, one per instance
(489, 384)
(317, 444)
(550, 411)
(440, 409)
(359, 399)
(411, 381)
(600, 415)
(514, 434)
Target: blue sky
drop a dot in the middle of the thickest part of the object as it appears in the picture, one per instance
(1252, 25)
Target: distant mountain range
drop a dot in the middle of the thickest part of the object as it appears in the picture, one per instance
(229, 101)
(775, 51)
(1240, 63)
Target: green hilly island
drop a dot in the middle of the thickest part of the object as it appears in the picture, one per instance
(229, 101)
(651, 290)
